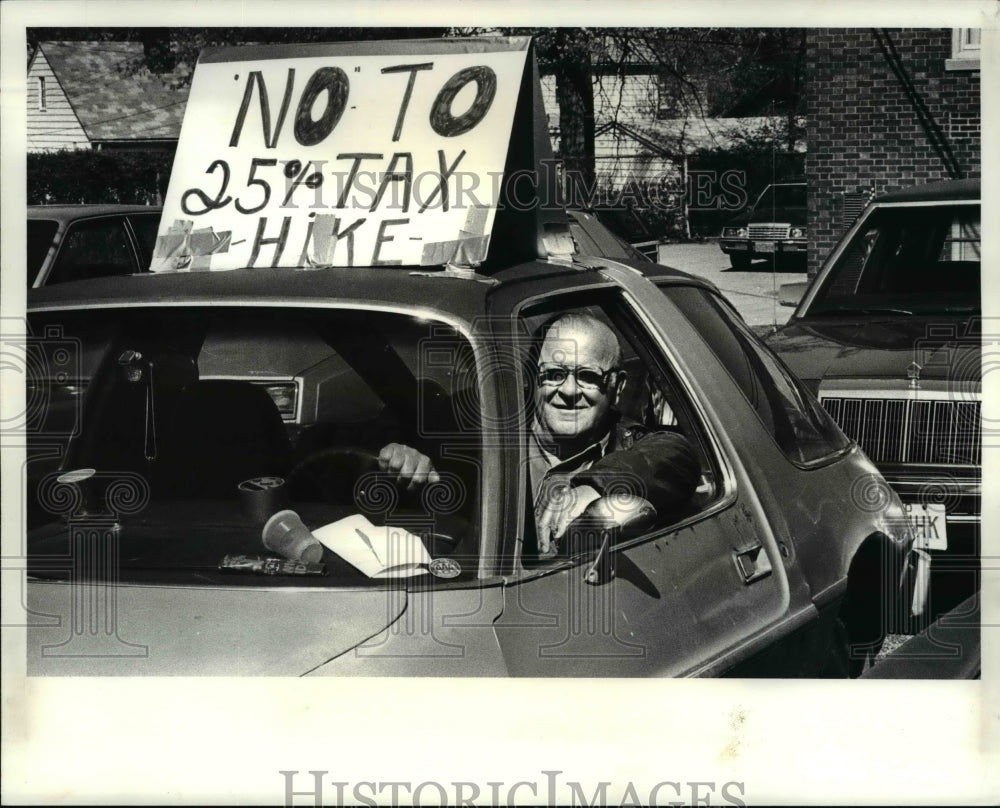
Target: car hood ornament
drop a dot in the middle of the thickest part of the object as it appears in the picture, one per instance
(913, 374)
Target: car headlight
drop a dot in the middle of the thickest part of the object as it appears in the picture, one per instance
(797, 232)
(734, 232)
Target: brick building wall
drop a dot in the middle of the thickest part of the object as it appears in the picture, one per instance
(864, 133)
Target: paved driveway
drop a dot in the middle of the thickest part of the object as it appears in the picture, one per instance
(753, 291)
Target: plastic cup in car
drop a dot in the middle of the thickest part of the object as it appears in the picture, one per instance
(285, 533)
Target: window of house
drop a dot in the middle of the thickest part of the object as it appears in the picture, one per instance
(42, 100)
(669, 100)
(965, 46)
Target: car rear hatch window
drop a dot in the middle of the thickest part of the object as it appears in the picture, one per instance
(200, 423)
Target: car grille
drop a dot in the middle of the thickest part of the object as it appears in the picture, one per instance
(766, 231)
(895, 430)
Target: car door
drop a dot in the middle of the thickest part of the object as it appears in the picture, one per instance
(693, 595)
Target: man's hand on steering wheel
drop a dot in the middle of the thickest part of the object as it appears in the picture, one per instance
(412, 469)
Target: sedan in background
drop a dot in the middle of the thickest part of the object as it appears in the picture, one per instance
(889, 336)
(775, 227)
(75, 242)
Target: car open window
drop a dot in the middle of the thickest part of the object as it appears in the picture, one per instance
(907, 259)
(790, 414)
(652, 401)
(185, 404)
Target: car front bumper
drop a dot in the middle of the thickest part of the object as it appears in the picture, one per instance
(955, 570)
(758, 247)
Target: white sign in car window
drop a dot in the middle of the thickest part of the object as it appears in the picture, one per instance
(356, 159)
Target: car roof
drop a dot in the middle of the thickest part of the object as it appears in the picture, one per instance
(935, 192)
(394, 287)
(70, 212)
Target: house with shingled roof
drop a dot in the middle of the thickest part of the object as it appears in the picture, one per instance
(101, 95)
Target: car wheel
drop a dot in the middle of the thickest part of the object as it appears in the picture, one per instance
(837, 662)
(740, 260)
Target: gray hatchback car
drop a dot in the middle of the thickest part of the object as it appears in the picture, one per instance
(211, 487)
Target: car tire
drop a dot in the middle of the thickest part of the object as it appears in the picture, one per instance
(740, 260)
(836, 662)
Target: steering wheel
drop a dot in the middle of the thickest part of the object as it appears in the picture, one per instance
(352, 477)
(332, 474)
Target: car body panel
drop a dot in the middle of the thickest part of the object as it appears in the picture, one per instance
(211, 631)
(829, 348)
(441, 633)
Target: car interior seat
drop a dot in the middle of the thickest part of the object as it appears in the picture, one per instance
(210, 435)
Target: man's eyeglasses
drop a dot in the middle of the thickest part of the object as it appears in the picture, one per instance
(586, 378)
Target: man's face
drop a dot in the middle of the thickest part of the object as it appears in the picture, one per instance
(571, 409)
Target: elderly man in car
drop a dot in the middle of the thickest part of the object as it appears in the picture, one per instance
(581, 448)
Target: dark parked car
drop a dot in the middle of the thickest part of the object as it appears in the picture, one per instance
(889, 336)
(226, 502)
(774, 227)
(74, 242)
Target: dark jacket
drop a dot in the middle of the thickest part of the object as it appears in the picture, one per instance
(656, 463)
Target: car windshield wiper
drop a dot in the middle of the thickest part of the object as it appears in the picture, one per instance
(883, 310)
(847, 312)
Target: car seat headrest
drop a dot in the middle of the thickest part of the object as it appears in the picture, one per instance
(173, 371)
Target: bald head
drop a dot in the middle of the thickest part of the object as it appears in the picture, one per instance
(575, 333)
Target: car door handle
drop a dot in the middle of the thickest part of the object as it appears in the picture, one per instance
(753, 564)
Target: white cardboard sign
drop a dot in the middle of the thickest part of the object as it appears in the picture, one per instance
(340, 160)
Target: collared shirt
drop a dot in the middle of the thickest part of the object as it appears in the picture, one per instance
(542, 464)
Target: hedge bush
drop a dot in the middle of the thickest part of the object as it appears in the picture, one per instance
(71, 177)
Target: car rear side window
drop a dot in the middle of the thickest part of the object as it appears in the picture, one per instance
(94, 249)
(40, 235)
(799, 425)
(145, 226)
